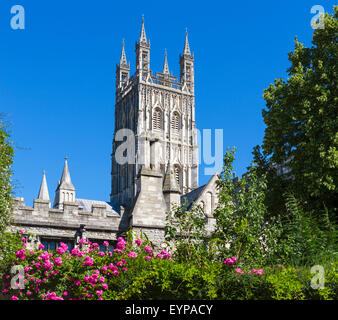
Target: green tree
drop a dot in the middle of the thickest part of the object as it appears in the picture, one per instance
(242, 229)
(302, 127)
(186, 233)
(6, 161)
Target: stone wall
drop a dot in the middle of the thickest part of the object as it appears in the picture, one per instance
(66, 223)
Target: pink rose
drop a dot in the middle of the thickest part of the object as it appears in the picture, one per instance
(99, 292)
(104, 286)
(148, 249)
(239, 271)
(132, 254)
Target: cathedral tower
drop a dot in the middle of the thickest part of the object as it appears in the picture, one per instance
(159, 110)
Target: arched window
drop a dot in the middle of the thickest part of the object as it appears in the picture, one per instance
(157, 119)
(177, 172)
(208, 203)
(175, 122)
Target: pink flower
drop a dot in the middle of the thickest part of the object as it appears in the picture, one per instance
(132, 254)
(60, 250)
(101, 253)
(104, 268)
(99, 292)
(101, 279)
(112, 267)
(47, 265)
(65, 293)
(121, 244)
(21, 254)
(106, 243)
(230, 261)
(14, 297)
(41, 246)
(104, 286)
(83, 241)
(125, 269)
(148, 249)
(88, 261)
(239, 271)
(138, 242)
(53, 296)
(259, 272)
(147, 258)
(22, 231)
(4, 291)
(165, 254)
(58, 261)
(75, 251)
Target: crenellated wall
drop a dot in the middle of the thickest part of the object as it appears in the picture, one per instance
(42, 221)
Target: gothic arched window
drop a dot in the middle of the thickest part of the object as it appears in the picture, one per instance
(177, 172)
(175, 122)
(157, 119)
(208, 203)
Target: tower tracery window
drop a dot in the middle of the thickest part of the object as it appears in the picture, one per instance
(175, 122)
(157, 119)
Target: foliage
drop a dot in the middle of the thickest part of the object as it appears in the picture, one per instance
(241, 228)
(186, 233)
(311, 237)
(6, 160)
(302, 127)
(134, 271)
(10, 243)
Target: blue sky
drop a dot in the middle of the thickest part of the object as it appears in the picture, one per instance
(57, 76)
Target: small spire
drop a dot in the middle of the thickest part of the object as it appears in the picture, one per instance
(165, 66)
(43, 193)
(143, 37)
(170, 184)
(186, 49)
(66, 182)
(123, 59)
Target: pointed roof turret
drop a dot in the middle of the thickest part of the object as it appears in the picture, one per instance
(143, 37)
(186, 50)
(170, 184)
(123, 59)
(165, 66)
(66, 182)
(43, 193)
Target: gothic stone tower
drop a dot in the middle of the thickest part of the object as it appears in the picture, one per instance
(160, 111)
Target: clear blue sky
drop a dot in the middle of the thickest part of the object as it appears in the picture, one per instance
(57, 76)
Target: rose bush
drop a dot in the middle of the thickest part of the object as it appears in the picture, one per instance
(134, 270)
